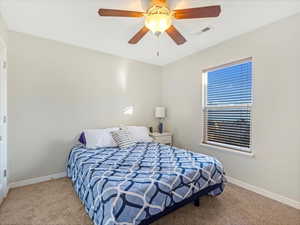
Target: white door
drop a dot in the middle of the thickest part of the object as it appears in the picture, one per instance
(3, 123)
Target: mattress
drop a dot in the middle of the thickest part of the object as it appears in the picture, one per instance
(132, 185)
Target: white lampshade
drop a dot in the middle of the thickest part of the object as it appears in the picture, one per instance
(160, 112)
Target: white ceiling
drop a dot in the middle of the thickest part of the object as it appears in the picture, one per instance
(77, 22)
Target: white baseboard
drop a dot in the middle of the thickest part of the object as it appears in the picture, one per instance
(37, 180)
(264, 192)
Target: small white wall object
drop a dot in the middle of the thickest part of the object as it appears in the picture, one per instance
(160, 112)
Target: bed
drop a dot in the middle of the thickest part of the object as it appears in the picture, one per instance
(140, 184)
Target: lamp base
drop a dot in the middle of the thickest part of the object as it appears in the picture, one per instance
(160, 127)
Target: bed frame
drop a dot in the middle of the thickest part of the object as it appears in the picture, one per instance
(194, 198)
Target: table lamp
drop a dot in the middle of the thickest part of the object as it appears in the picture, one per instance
(160, 113)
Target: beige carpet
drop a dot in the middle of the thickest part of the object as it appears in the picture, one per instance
(55, 203)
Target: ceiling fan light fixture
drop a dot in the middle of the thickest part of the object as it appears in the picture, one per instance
(158, 19)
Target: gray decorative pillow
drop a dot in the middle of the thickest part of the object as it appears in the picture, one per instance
(123, 138)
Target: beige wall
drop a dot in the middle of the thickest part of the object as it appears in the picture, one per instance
(56, 90)
(276, 109)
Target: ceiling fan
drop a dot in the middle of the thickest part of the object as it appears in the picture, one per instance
(159, 17)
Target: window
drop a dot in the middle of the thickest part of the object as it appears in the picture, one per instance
(227, 102)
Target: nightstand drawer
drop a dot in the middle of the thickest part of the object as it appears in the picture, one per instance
(163, 139)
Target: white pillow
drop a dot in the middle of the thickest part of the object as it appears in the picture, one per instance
(140, 134)
(96, 138)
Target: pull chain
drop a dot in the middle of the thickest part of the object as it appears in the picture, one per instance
(158, 44)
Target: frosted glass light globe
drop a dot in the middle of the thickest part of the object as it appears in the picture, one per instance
(158, 19)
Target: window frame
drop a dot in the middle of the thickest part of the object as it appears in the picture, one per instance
(206, 107)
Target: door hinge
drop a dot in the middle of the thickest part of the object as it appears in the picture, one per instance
(4, 119)
(1, 138)
(5, 173)
(4, 64)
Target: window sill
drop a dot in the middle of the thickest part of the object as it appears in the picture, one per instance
(219, 148)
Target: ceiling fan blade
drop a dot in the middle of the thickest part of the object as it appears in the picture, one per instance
(119, 13)
(138, 36)
(201, 12)
(176, 35)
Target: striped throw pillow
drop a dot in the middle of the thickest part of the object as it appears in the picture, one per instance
(123, 138)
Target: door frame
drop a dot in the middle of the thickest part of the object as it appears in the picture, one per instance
(3, 119)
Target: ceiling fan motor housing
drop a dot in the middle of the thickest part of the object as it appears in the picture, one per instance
(161, 3)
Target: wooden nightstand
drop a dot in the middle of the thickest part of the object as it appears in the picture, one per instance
(164, 138)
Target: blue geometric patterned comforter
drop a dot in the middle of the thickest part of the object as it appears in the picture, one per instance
(127, 186)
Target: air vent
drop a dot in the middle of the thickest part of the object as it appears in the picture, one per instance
(203, 30)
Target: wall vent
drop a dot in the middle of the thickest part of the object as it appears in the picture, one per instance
(203, 30)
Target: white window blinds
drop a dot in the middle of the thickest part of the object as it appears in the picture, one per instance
(227, 105)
